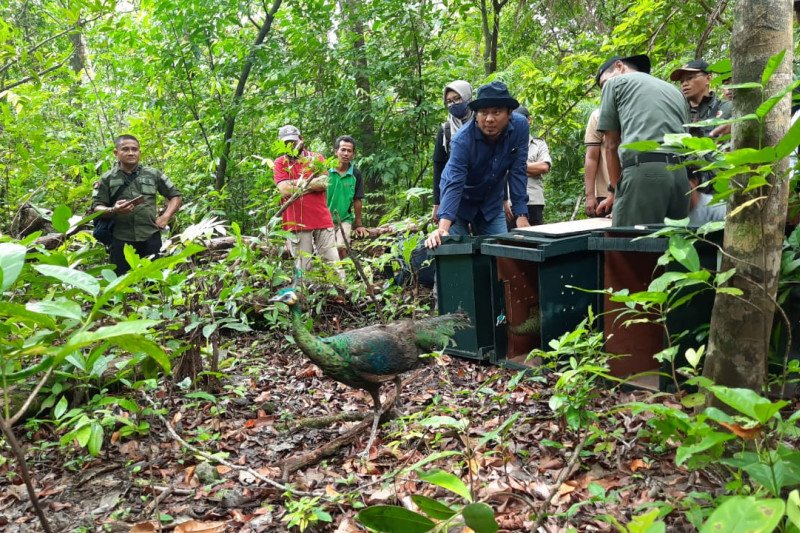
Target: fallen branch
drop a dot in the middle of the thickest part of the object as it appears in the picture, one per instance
(325, 421)
(214, 459)
(293, 464)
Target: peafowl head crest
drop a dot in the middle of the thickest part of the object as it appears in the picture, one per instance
(287, 296)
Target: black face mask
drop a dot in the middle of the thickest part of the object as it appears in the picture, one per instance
(458, 110)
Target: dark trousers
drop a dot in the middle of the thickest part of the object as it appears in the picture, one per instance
(144, 248)
(535, 215)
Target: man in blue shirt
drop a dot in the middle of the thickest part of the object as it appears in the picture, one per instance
(488, 152)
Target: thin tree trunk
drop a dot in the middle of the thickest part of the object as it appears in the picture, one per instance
(233, 110)
(739, 334)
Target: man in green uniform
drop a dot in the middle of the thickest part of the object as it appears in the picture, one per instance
(127, 193)
(645, 186)
(345, 192)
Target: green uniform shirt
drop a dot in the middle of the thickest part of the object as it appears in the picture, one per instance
(342, 190)
(145, 181)
(641, 108)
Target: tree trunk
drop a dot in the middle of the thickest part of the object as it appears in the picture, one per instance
(233, 110)
(740, 327)
(491, 33)
(353, 23)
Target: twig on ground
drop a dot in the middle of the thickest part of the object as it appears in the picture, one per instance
(565, 473)
(214, 459)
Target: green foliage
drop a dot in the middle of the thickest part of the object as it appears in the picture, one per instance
(304, 513)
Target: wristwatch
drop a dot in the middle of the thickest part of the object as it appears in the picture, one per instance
(611, 189)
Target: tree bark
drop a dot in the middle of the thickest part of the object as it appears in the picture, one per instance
(740, 327)
(233, 110)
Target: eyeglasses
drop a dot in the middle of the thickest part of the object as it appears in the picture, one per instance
(453, 100)
(690, 77)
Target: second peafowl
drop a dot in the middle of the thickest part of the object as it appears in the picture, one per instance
(367, 357)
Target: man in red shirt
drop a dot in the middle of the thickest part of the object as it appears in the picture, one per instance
(307, 217)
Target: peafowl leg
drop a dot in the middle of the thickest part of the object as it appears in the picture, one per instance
(398, 385)
(376, 418)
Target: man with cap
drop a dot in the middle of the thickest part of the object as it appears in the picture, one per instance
(457, 95)
(645, 187)
(695, 83)
(538, 165)
(485, 154)
(307, 218)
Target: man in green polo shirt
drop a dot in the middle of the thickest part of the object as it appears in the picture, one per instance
(345, 191)
(645, 187)
(127, 193)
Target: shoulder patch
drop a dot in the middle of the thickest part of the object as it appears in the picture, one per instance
(96, 184)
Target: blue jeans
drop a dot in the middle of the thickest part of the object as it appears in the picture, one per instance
(480, 226)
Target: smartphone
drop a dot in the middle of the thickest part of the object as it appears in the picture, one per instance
(136, 201)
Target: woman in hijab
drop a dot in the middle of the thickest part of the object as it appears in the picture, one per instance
(456, 95)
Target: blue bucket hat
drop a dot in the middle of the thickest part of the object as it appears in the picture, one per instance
(493, 94)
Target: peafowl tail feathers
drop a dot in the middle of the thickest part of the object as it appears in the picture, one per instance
(435, 333)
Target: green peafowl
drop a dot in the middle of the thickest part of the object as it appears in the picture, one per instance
(365, 358)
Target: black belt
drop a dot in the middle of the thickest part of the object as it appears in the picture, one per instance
(653, 157)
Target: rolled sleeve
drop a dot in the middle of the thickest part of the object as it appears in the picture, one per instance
(166, 187)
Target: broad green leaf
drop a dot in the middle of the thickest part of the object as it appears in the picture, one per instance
(444, 421)
(685, 452)
(447, 481)
(129, 327)
(12, 257)
(745, 85)
(647, 523)
(202, 395)
(70, 276)
(480, 517)
(60, 218)
(748, 402)
(691, 401)
(750, 156)
(771, 102)
(425, 460)
(138, 344)
(745, 514)
(83, 434)
(699, 144)
(60, 408)
(62, 308)
(391, 519)
(18, 313)
(95, 442)
(675, 139)
(642, 146)
(693, 356)
(789, 142)
(793, 508)
(772, 64)
(433, 508)
(684, 252)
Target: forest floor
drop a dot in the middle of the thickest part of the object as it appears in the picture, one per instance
(530, 469)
